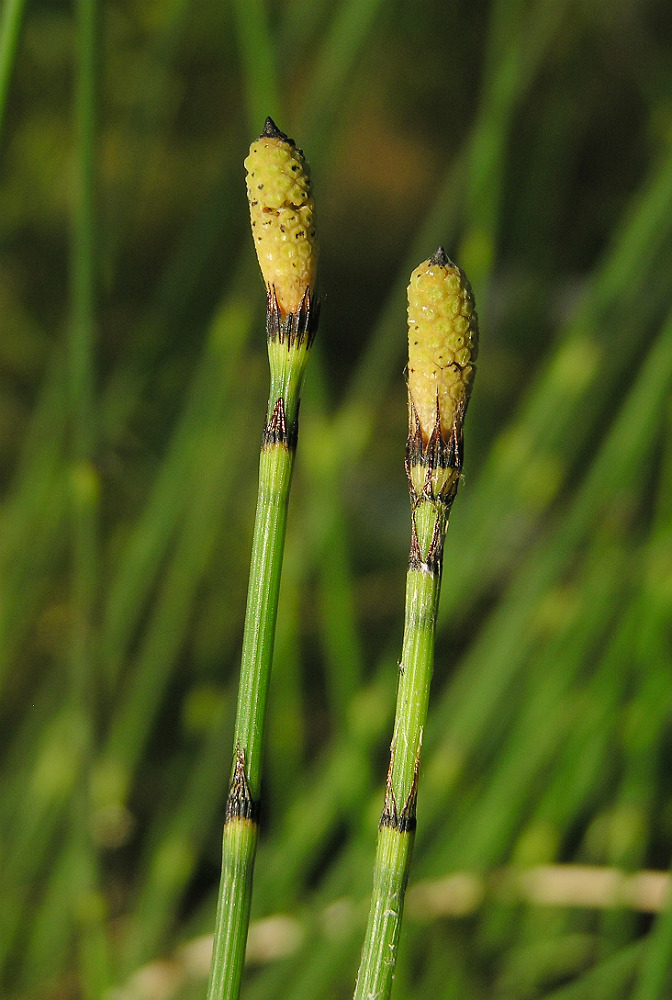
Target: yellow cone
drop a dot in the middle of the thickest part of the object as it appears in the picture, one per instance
(442, 347)
(282, 213)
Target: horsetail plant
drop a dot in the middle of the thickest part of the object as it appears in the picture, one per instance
(442, 349)
(283, 229)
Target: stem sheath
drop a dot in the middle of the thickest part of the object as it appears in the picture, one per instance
(289, 340)
(397, 825)
(443, 344)
(282, 215)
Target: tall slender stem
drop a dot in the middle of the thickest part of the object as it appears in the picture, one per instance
(398, 821)
(443, 334)
(282, 223)
(288, 347)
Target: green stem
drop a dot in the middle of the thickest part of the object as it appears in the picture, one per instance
(288, 347)
(397, 825)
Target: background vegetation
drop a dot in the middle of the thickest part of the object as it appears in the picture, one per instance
(534, 141)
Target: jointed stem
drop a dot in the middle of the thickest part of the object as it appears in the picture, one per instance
(275, 471)
(282, 214)
(239, 846)
(422, 597)
(288, 346)
(397, 825)
(288, 353)
(443, 343)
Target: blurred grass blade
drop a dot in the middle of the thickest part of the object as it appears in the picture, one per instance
(611, 978)
(11, 23)
(258, 59)
(87, 906)
(350, 24)
(655, 968)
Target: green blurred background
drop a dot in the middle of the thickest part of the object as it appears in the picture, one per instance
(534, 141)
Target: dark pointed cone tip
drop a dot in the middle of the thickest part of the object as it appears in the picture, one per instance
(439, 258)
(271, 131)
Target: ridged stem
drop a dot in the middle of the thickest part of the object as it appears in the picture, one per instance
(289, 342)
(397, 825)
(442, 349)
